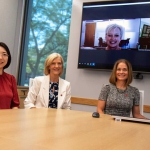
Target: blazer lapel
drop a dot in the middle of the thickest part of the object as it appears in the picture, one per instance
(45, 90)
(61, 93)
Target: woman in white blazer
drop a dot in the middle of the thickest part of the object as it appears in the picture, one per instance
(50, 91)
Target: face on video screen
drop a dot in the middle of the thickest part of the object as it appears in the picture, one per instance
(113, 38)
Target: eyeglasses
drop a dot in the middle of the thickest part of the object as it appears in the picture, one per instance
(4, 55)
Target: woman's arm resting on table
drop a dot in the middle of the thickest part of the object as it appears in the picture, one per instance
(136, 112)
(100, 106)
(30, 100)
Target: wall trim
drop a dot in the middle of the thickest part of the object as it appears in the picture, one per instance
(93, 102)
(84, 101)
(146, 108)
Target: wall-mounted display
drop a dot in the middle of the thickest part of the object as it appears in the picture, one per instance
(115, 30)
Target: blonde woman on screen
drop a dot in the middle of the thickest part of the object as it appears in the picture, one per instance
(119, 98)
(50, 91)
(113, 36)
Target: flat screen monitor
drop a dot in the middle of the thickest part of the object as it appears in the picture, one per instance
(113, 30)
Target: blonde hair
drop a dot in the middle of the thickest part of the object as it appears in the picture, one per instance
(113, 78)
(114, 26)
(49, 61)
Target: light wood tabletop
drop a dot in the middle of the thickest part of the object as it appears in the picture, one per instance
(57, 129)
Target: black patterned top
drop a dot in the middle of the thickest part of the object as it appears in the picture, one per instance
(53, 95)
(119, 102)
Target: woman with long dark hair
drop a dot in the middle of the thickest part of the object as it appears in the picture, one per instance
(8, 88)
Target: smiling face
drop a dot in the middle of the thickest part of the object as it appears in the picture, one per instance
(122, 72)
(113, 38)
(56, 67)
(3, 58)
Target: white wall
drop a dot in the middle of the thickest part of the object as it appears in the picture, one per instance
(11, 12)
(87, 83)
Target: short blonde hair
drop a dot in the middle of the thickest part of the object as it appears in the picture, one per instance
(114, 26)
(49, 61)
(113, 78)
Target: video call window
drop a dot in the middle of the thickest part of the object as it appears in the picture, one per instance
(132, 29)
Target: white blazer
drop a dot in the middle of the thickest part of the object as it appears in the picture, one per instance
(38, 95)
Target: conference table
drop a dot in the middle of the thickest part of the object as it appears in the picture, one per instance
(58, 129)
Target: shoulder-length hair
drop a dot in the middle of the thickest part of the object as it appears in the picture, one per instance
(113, 78)
(49, 61)
(8, 52)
